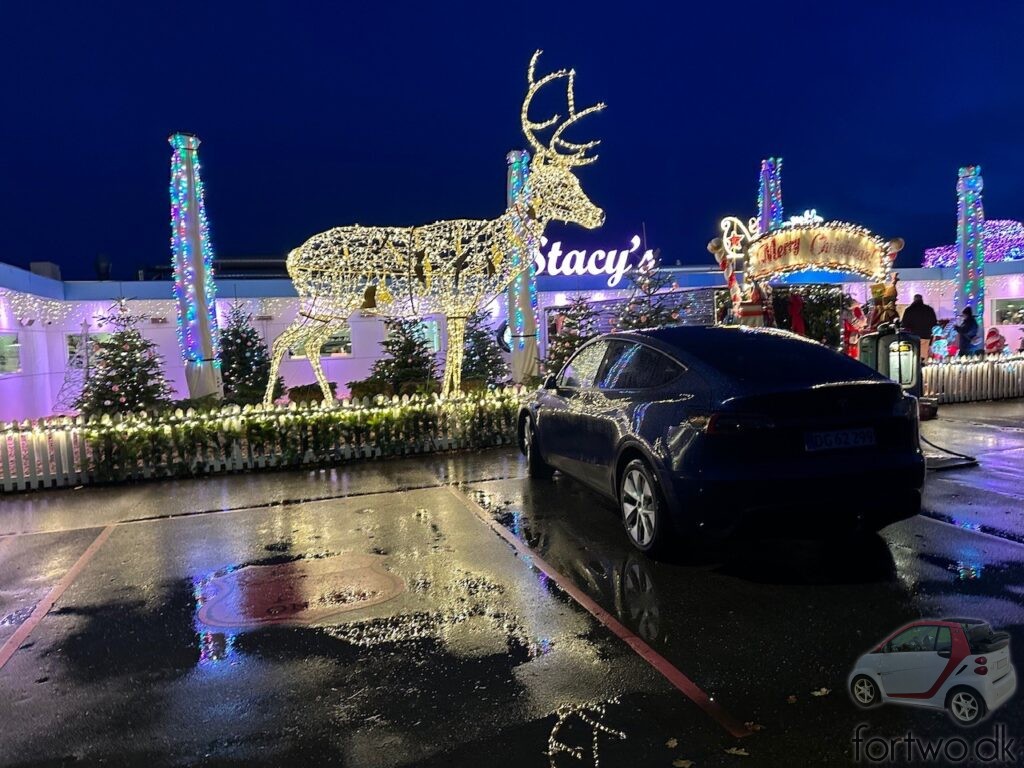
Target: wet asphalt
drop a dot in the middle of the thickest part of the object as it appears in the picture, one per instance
(368, 615)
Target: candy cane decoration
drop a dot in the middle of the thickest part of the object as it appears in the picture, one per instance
(727, 266)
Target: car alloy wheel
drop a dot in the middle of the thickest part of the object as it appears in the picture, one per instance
(966, 706)
(865, 692)
(640, 506)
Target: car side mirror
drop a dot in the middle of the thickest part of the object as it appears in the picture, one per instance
(550, 382)
(945, 654)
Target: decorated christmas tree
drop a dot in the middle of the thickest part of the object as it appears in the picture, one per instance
(409, 362)
(483, 361)
(128, 374)
(244, 361)
(649, 305)
(579, 325)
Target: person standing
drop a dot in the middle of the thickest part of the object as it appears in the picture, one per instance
(966, 331)
(919, 319)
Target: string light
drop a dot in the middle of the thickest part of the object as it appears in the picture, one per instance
(448, 267)
(769, 195)
(187, 182)
(1003, 240)
(970, 244)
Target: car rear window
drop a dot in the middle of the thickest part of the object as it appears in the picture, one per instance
(773, 358)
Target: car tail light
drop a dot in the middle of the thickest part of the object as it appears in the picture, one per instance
(981, 660)
(736, 424)
(981, 670)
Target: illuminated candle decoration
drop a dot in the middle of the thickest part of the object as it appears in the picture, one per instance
(449, 267)
(970, 243)
(192, 255)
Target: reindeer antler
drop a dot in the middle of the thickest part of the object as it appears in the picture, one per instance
(576, 153)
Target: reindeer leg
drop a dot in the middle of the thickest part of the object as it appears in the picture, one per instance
(290, 337)
(452, 386)
(314, 342)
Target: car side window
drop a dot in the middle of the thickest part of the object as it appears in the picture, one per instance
(637, 366)
(914, 640)
(944, 640)
(580, 371)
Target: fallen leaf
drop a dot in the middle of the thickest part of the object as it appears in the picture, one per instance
(672, 743)
(737, 751)
(791, 699)
(821, 692)
(752, 726)
(680, 763)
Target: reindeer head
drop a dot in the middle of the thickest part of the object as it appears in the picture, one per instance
(555, 192)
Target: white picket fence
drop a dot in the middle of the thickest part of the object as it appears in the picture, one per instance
(71, 451)
(970, 379)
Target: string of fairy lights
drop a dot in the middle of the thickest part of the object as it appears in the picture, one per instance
(450, 267)
(185, 179)
(970, 242)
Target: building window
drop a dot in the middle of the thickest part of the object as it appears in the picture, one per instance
(339, 344)
(76, 355)
(429, 329)
(1009, 311)
(10, 353)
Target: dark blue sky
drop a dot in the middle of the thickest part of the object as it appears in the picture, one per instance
(315, 115)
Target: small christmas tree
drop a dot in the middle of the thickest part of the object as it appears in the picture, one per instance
(128, 374)
(579, 325)
(409, 362)
(244, 361)
(483, 361)
(648, 306)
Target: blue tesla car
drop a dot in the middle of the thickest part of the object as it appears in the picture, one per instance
(693, 427)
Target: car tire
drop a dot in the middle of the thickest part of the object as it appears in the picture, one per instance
(965, 706)
(865, 692)
(535, 465)
(642, 507)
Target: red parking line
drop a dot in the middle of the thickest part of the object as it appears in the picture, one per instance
(22, 632)
(689, 688)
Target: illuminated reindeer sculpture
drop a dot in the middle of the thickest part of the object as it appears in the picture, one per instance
(449, 267)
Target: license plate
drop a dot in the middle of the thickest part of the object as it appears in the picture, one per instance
(1002, 663)
(839, 439)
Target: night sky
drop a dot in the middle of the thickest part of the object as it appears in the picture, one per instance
(317, 115)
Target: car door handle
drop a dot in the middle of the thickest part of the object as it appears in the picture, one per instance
(945, 654)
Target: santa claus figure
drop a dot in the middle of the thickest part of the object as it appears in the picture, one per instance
(796, 314)
(854, 323)
(995, 342)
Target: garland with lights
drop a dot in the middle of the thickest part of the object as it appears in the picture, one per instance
(451, 267)
(186, 190)
(970, 244)
(245, 362)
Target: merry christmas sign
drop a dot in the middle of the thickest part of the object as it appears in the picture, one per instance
(833, 246)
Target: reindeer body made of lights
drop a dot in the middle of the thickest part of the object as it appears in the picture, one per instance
(448, 267)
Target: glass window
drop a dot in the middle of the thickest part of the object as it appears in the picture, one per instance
(636, 366)
(914, 640)
(76, 355)
(943, 640)
(1009, 311)
(10, 353)
(338, 344)
(429, 329)
(580, 371)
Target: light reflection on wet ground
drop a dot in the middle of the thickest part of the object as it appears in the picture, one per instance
(477, 654)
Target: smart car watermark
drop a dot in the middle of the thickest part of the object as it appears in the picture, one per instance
(961, 666)
(996, 749)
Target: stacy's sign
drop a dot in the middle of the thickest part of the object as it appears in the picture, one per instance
(558, 269)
